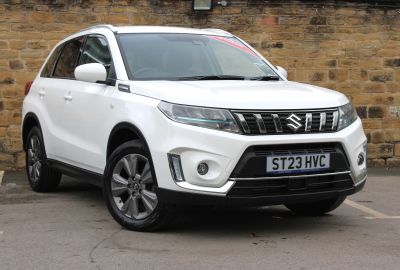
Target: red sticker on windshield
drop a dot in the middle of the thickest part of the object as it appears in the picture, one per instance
(234, 44)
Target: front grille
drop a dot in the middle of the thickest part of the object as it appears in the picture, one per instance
(253, 161)
(287, 122)
(291, 186)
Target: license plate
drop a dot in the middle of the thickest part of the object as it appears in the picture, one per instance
(297, 163)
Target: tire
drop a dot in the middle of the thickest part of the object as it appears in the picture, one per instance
(130, 189)
(41, 178)
(317, 208)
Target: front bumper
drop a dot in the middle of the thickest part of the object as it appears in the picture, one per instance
(186, 198)
(223, 150)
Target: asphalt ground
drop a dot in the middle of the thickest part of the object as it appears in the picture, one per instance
(72, 229)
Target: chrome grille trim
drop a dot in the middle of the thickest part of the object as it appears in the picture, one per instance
(335, 120)
(260, 123)
(287, 121)
(308, 121)
(243, 122)
(322, 121)
(277, 123)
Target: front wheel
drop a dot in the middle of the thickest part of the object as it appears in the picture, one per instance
(316, 208)
(130, 189)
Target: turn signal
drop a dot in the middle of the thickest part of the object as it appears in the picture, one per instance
(176, 167)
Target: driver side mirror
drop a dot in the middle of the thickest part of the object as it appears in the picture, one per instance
(282, 71)
(93, 72)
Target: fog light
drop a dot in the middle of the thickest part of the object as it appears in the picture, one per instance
(176, 167)
(202, 169)
(360, 159)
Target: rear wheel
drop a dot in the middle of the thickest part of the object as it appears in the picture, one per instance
(316, 208)
(130, 189)
(41, 178)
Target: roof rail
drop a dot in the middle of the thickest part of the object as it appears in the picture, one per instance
(108, 26)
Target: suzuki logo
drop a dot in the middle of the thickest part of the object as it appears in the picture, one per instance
(294, 122)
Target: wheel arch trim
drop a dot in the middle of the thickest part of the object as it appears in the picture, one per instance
(27, 117)
(128, 126)
(131, 127)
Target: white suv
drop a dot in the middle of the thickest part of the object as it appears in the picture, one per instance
(164, 116)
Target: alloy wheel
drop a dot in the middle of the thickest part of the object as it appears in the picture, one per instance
(133, 187)
(34, 158)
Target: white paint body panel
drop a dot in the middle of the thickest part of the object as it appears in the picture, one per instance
(248, 95)
(77, 118)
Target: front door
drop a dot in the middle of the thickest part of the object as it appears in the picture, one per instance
(89, 109)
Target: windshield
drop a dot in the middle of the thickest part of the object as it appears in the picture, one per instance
(191, 57)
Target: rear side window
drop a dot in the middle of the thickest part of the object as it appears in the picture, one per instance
(97, 51)
(68, 59)
(48, 68)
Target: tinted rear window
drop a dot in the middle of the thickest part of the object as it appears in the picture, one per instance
(68, 59)
(48, 68)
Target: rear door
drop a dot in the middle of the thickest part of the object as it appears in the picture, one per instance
(55, 88)
(43, 95)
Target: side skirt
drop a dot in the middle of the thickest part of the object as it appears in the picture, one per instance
(76, 172)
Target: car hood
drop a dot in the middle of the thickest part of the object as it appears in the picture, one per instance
(254, 95)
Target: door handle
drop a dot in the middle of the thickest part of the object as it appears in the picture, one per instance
(68, 97)
(42, 93)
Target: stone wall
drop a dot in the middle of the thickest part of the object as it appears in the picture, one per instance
(350, 46)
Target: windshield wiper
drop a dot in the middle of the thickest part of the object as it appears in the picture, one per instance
(212, 77)
(265, 78)
(229, 77)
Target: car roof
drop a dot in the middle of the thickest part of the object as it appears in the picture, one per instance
(99, 29)
(160, 29)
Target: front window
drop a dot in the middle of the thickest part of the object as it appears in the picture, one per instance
(191, 57)
(97, 51)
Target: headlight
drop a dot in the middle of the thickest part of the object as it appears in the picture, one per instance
(202, 117)
(347, 115)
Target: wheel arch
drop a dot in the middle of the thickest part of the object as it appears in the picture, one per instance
(30, 121)
(122, 133)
